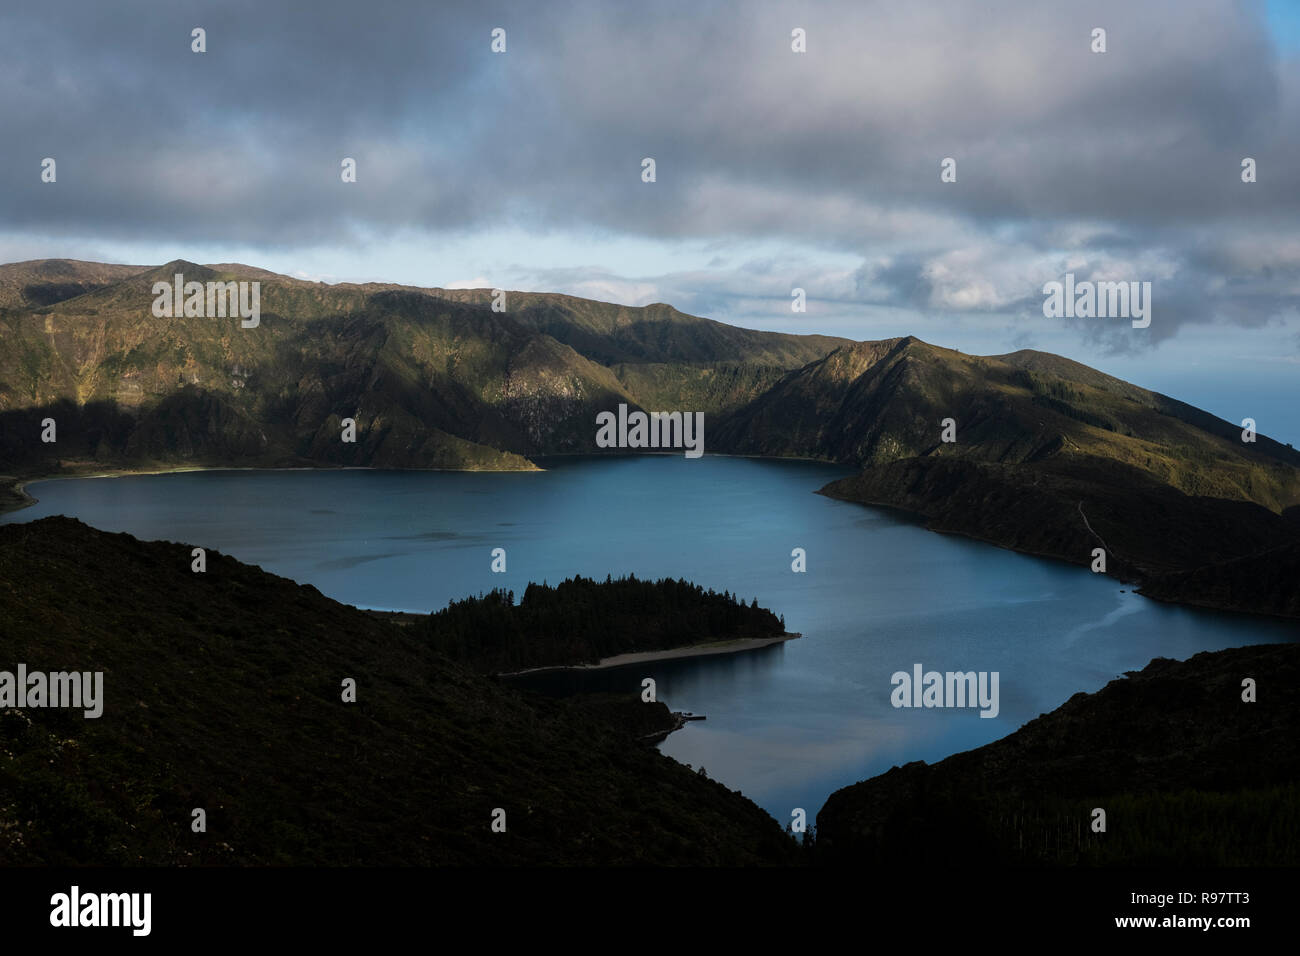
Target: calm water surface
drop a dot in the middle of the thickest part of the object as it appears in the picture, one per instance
(786, 725)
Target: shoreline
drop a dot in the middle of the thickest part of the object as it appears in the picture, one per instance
(1137, 582)
(20, 499)
(734, 646)
(18, 486)
(15, 496)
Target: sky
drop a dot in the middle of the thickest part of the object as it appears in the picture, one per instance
(775, 170)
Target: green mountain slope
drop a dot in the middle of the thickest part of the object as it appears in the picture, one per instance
(1050, 457)
(222, 691)
(432, 378)
(1186, 771)
(877, 402)
(42, 282)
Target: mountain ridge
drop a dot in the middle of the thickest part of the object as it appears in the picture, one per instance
(433, 378)
(1047, 455)
(1155, 749)
(225, 691)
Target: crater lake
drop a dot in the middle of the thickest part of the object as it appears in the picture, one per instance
(786, 725)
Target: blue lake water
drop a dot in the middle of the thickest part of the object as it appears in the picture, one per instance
(786, 725)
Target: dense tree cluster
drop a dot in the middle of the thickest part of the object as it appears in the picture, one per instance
(582, 620)
(223, 691)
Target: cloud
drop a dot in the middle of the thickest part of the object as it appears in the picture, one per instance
(478, 282)
(1124, 164)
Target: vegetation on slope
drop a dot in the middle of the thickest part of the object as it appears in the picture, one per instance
(433, 378)
(580, 621)
(872, 403)
(223, 691)
(1185, 770)
(1050, 457)
(43, 282)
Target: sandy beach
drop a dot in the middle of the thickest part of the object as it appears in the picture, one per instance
(694, 650)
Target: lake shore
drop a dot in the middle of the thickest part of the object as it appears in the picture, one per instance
(640, 657)
(14, 497)
(1139, 581)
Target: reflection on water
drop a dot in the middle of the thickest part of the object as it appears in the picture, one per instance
(786, 724)
(716, 670)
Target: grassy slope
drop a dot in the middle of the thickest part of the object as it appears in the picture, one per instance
(434, 378)
(223, 691)
(42, 282)
(1186, 771)
(876, 402)
(1043, 443)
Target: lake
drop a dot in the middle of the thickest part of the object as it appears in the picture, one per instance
(785, 725)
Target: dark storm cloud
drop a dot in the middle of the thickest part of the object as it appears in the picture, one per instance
(1066, 159)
